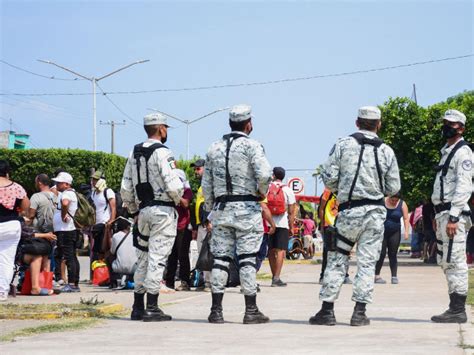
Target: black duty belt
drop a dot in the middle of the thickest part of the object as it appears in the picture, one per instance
(236, 198)
(358, 203)
(156, 203)
(446, 207)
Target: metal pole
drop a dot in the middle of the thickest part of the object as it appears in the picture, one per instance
(94, 118)
(112, 127)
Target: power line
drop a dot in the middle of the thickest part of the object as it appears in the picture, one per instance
(115, 105)
(36, 74)
(259, 83)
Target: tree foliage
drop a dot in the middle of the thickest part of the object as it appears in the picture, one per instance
(26, 164)
(414, 133)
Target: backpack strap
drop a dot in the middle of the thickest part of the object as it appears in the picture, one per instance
(376, 143)
(229, 138)
(120, 244)
(140, 151)
(445, 167)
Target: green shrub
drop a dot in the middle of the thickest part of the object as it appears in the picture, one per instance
(26, 164)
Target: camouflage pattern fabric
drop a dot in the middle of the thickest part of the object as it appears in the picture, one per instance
(457, 182)
(237, 230)
(160, 224)
(364, 226)
(457, 188)
(237, 226)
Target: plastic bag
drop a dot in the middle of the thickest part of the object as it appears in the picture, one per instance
(205, 260)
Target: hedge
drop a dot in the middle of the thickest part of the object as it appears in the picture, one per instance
(26, 164)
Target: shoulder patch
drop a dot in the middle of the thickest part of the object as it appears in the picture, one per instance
(467, 165)
(172, 162)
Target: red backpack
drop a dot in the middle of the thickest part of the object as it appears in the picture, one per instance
(276, 199)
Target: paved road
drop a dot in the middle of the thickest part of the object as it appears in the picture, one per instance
(400, 322)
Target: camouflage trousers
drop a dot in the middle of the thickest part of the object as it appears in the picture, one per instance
(364, 226)
(237, 231)
(456, 269)
(160, 224)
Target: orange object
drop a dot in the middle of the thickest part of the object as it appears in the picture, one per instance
(45, 281)
(101, 276)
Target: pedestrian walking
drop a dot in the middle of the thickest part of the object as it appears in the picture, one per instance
(396, 210)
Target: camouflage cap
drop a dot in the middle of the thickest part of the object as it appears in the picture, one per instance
(239, 113)
(455, 116)
(369, 113)
(154, 119)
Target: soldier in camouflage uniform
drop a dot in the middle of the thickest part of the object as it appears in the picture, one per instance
(451, 192)
(361, 170)
(236, 177)
(151, 189)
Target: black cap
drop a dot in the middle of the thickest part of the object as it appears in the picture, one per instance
(198, 163)
(279, 172)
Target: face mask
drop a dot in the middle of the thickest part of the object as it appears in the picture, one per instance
(164, 139)
(449, 132)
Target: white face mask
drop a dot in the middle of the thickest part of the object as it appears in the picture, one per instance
(100, 185)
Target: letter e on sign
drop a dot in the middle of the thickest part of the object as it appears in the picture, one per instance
(297, 185)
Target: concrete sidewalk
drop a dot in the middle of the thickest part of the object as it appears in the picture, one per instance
(399, 321)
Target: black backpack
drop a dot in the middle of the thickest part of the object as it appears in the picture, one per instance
(121, 211)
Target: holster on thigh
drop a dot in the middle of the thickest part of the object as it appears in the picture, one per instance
(337, 242)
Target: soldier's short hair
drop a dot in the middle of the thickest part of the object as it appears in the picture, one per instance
(238, 126)
(151, 129)
(366, 124)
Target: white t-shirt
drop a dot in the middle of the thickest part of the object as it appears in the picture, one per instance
(102, 208)
(58, 224)
(126, 255)
(281, 221)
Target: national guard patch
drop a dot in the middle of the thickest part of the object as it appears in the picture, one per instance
(467, 165)
(172, 162)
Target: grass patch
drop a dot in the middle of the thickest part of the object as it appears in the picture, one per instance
(264, 276)
(57, 310)
(55, 326)
(470, 292)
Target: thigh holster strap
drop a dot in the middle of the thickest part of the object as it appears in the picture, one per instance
(227, 259)
(221, 267)
(248, 263)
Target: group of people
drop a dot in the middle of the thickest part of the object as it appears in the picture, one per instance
(238, 191)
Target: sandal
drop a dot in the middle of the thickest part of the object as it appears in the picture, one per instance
(43, 292)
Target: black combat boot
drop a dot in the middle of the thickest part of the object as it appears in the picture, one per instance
(252, 314)
(456, 312)
(358, 316)
(153, 313)
(325, 316)
(138, 307)
(216, 309)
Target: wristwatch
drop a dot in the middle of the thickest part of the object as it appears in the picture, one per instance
(453, 219)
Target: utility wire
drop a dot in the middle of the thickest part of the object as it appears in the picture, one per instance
(36, 74)
(259, 83)
(116, 106)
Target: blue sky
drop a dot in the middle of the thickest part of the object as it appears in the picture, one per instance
(212, 43)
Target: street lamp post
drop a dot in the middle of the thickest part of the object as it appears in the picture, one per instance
(94, 82)
(189, 122)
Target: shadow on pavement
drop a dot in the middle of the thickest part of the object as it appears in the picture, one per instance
(400, 320)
